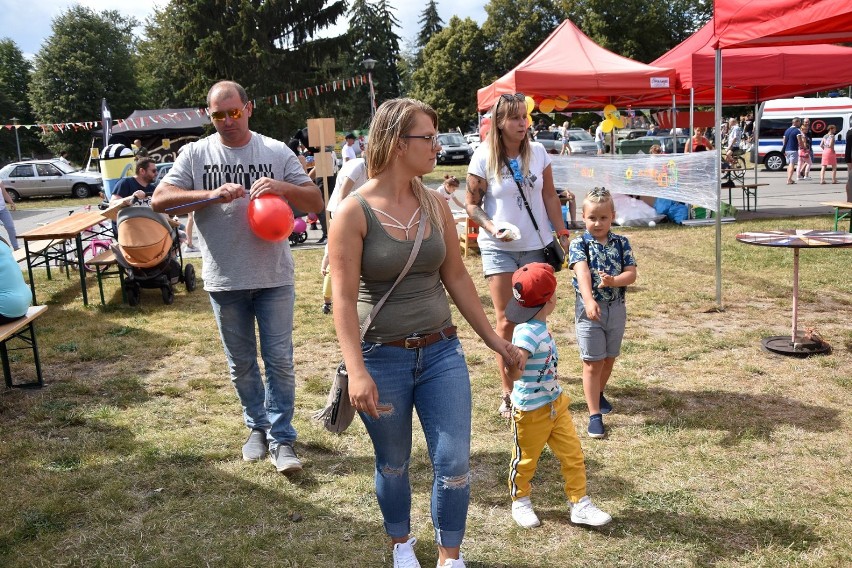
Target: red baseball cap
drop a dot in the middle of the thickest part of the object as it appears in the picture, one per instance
(532, 286)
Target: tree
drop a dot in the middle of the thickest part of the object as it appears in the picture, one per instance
(15, 76)
(268, 47)
(430, 24)
(514, 28)
(371, 32)
(453, 67)
(87, 58)
(642, 29)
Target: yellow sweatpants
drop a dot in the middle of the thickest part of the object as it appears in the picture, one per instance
(550, 424)
(326, 284)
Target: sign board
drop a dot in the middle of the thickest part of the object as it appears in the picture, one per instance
(321, 132)
(324, 164)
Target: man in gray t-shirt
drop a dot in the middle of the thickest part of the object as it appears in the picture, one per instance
(249, 280)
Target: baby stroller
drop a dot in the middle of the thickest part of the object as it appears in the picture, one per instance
(149, 251)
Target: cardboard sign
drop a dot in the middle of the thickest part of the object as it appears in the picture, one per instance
(321, 132)
(324, 164)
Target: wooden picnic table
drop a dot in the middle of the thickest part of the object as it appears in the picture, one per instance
(67, 228)
(838, 205)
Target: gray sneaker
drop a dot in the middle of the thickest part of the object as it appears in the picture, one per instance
(255, 447)
(284, 458)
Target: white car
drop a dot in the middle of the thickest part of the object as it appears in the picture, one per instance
(48, 177)
(473, 140)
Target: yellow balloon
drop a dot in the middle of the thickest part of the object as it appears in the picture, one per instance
(561, 103)
(529, 120)
(606, 125)
(546, 106)
(608, 109)
(530, 104)
(616, 120)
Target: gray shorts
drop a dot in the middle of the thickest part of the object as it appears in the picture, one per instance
(496, 261)
(792, 157)
(600, 339)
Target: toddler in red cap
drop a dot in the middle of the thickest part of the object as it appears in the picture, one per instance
(540, 412)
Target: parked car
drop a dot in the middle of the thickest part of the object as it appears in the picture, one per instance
(581, 142)
(551, 141)
(473, 140)
(33, 178)
(454, 149)
(644, 144)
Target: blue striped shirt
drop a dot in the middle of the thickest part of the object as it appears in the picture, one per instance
(538, 384)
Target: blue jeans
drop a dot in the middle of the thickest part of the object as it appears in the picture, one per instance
(434, 380)
(9, 224)
(268, 408)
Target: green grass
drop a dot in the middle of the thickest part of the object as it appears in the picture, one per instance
(719, 454)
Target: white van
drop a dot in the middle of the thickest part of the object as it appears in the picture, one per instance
(777, 115)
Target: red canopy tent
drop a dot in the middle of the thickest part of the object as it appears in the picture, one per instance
(569, 66)
(750, 76)
(745, 23)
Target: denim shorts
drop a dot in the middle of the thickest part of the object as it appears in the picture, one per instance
(495, 261)
(600, 339)
(792, 156)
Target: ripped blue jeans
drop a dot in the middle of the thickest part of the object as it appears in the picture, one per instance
(433, 380)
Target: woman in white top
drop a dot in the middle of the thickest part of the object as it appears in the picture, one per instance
(494, 202)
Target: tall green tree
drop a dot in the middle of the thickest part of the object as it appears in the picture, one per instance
(641, 29)
(452, 71)
(373, 36)
(267, 46)
(15, 77)
(88, 57)
(430, 23)
(514, 28)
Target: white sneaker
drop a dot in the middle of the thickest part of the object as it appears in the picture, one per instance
(584, 512)
(453, 563)
(403, 554)
(522, 512)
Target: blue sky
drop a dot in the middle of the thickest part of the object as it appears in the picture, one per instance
(29, 23)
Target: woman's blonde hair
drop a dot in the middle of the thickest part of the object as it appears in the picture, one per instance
(394, 119)
(505, 107)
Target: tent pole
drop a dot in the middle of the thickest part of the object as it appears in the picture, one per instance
(674, 125)
(691, 116)
(718, 143)
(755, 125)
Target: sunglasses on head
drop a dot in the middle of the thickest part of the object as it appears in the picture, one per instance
(599, 192)
(234, 113)
(520, 97)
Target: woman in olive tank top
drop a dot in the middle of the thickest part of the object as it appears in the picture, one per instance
(411, 357)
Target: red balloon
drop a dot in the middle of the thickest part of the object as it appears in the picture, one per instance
(270, 217)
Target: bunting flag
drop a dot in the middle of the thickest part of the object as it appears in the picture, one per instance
(106, 122)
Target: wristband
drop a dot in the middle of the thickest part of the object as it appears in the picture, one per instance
(564, 232)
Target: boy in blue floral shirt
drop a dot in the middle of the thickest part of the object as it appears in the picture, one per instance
(603, 266)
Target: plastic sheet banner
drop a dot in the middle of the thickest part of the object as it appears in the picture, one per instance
(689, 178)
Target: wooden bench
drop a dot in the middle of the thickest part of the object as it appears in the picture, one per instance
(107, 266)
(36, 248)
(21, 329)
(838, 206)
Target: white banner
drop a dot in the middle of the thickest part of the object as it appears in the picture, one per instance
(689, 178)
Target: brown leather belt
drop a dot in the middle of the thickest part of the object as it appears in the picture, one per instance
(418, 341)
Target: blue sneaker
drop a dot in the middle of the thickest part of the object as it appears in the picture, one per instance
(606, 407)
(596, 426)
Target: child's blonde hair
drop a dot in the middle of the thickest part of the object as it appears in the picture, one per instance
(598, 195)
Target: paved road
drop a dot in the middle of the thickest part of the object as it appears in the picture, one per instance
(774, 200)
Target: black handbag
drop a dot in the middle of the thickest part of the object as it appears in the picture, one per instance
(339, 412)
(554, 255)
